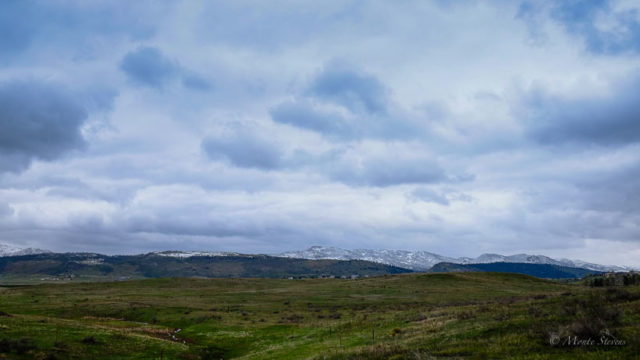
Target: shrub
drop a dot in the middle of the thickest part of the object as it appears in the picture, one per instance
(90, 340)
(212, 353)
(23, 345)
(465, 315)
(594, 315)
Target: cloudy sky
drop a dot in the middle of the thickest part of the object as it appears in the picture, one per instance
(262, 126)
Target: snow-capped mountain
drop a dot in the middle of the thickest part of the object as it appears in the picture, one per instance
(187, 254)
(416, 260)
(10, 250)
(423, 260)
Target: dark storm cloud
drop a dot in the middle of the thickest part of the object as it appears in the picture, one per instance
(37, 121)
(600, 120)
(245, 149)
(580, 17)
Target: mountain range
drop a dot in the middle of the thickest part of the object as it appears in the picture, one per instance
(424, 260)
(413, 260)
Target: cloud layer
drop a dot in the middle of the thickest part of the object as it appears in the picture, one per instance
(454, 128)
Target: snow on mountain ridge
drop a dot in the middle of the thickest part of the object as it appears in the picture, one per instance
(424, 260)
(188, 254)
(10, 250)
(415, 260)
(418, 260)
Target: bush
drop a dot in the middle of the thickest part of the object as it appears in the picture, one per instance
(465, 315)
(618, 294)
(90, 340)
(212, 353)
(60, 346)
(5, 346)
(594, 316)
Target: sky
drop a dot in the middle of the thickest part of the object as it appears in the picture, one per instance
(458, 128)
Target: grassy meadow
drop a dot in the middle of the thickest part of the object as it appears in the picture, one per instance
(410, 316)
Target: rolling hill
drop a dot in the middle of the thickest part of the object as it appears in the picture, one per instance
(51, 266)
(547, 271)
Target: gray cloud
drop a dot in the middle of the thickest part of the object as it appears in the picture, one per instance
(192, 225)
(37, 120)
(5, 210)
(604, 27)
(613, 119)
(614, 191)
(147, 66)
(16, 32)
(244, 148)
(353, 89)
(266, 27)
(342, 102)
(387, 167)
(584, 18)
(304, 115)
(429, 195)
(26, 25)
(375, 164)
(387, 172)
(195, 81)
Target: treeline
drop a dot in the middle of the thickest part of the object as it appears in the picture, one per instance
(613, 279)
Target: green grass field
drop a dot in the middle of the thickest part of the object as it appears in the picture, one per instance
(413, 316)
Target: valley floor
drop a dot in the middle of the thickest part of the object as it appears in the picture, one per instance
(413, 316)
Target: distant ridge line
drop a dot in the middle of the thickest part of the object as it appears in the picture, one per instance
(413, 260)
(424, 260)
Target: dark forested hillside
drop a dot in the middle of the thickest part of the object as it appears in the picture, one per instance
(538, 270)
(95, 266)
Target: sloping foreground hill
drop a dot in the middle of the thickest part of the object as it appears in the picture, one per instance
(412, 316)
(101, 267)
(545, 271)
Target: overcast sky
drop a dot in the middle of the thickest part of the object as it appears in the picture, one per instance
(261, 126)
